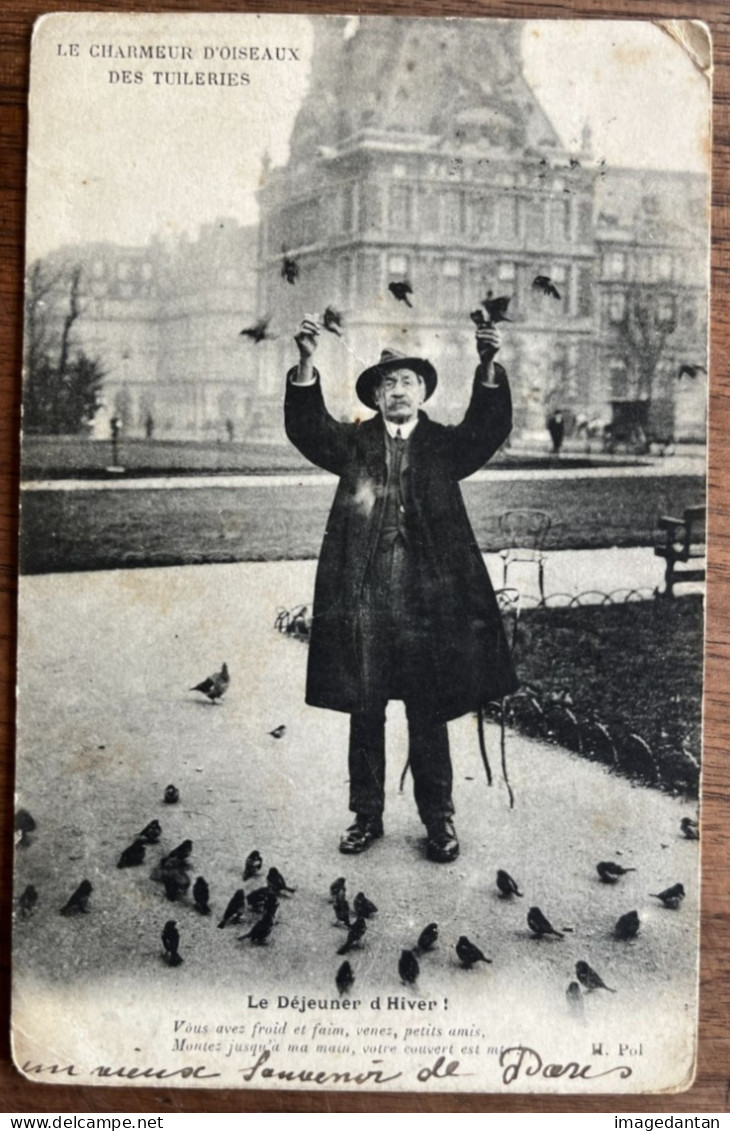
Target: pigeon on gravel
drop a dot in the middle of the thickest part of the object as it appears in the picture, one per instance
(670, 897)
(216, 685)
(344, 977)
(469, 954)
(408, 967)
(253, 864)
(627, 926)
(354, 935)
(507, 886)
(234, 910)
(201, 896)
(588, 978)
(610, 872)
(540, 925)
(79, 901)
(428, 937)
(171, 943)
(132, 856)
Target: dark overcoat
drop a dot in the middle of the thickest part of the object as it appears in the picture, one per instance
(468, 660)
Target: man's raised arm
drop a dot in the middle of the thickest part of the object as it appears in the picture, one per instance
(309, 426)
(488, 419)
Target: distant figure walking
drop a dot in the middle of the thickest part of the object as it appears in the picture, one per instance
(149, 426)
(556, 428)
(230, 429)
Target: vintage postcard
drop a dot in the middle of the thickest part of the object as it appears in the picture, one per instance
(363, 499)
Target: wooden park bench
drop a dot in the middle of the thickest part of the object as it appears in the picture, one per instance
(682, 541)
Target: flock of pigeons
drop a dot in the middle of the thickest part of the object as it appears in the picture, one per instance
(401, 290)
(172, 871)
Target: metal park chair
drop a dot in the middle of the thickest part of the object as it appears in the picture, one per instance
(524, 533)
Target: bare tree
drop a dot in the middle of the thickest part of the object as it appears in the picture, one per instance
(642, 335)
(62, 384)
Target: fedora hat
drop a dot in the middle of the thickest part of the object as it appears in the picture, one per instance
(391, 359)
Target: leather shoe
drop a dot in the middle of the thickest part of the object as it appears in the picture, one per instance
(361, 835)
(442, 846)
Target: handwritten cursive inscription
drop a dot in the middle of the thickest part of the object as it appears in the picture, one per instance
(523, 1061)
(310, 1076)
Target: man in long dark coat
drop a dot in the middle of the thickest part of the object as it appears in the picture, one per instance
(403, 605)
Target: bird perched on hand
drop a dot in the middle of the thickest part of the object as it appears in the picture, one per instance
(670, 897)
(258, 332)
(610, 872)
(507, 886)
(132, 856)
(401, 291)
(690, 828)
(589, 978)
(468, 954)
(496, 308)
(171, 943)
(289, 268)
(545, 285)
(172, 795)
(234, 910)
(253, 864)
(408, 967)
(260, 931)
(27, 901)
(354, 935)
(627, 926)
(216, 685)
(363, 906)
(332, 321)
(79, 901)
(336, 887)
(151, 833)
(201, 896)
(342, 909)
(344, 977)
(276, 882)
(540, 925)
(428, 937)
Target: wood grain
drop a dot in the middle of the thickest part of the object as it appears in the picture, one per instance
(711, 1092)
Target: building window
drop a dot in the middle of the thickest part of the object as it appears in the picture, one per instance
(666, 310)
(560, 219)
(506, 215)
(617, 307)
(400, 207)
(585, 221)
(397, 265)
(452, 201)
(585, 292)
(506, 272)
(122, 270)
(614, 265)
(372, 207)
(451, 285)
(348, 208)
(98, 269)
(535, 219)
(428, 211)
(662, 267)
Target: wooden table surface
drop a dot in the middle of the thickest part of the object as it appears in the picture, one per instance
(711, 1092)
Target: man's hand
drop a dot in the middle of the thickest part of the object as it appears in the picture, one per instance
(306, 339)
(488, 343)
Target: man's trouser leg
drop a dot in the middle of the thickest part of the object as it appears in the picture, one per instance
(367, 761)
(430, 760)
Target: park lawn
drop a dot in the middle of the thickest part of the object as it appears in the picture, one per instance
(635, 667)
